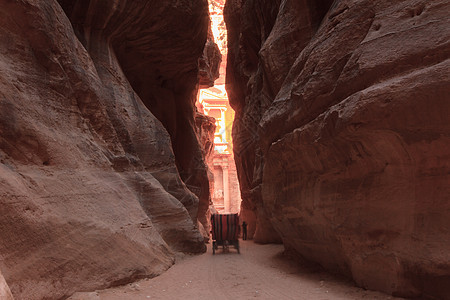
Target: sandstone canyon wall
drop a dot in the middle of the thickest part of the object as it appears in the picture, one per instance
(5, 292)
(101, 169)
(342, 134)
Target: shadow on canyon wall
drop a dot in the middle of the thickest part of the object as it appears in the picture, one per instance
(342, 135)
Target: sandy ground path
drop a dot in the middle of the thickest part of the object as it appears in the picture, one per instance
(260, 271)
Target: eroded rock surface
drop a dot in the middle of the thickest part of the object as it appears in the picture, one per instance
(5, 292)
(96, 108)
(206, 127)
(342, 134)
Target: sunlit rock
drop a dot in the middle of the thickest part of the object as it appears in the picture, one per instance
(5, 293)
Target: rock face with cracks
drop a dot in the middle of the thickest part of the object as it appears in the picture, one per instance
(342, 134)
(97, 132)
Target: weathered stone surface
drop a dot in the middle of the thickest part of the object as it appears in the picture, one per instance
(88, 176)
(209, 64)
(206, 127)
(5, 293)
(160, 56)
(249, 97)
(344, 125)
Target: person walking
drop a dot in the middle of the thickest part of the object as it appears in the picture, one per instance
(244, 230)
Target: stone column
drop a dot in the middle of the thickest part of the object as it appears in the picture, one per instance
(226, 188)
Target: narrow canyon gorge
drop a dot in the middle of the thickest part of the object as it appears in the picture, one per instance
(341, 138)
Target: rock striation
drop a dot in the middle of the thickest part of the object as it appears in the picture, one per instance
(342, 134)
(100, 157)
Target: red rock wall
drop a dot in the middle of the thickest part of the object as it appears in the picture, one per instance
(209, 65)
(5, 292)
(342, 135)
(159, 57)
(96, 101)
(206, 127)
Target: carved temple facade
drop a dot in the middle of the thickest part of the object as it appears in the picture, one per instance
(226, 197)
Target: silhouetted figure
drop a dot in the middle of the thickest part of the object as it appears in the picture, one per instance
(244, 230)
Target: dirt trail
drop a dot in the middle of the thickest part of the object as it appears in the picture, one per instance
(260, 271)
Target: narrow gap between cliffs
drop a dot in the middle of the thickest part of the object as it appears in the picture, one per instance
(213, 102)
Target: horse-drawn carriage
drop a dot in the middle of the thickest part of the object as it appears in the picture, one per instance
(225, 231)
